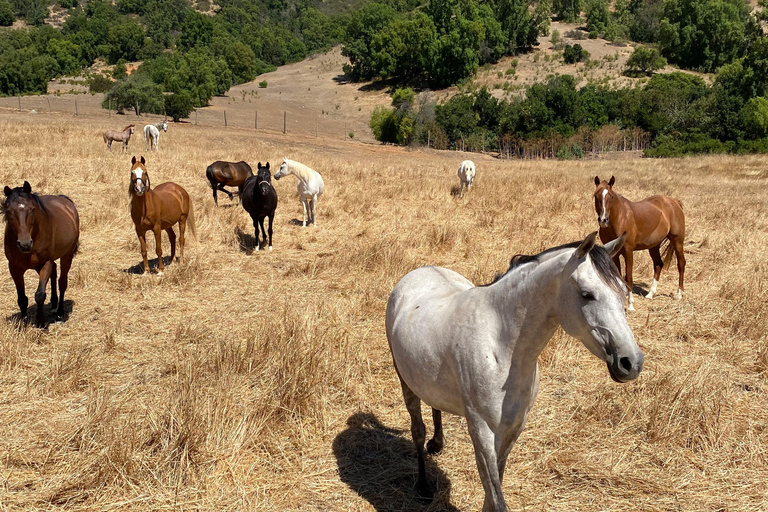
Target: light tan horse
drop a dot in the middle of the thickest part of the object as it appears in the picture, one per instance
(123, 136)
(648, 224)
(157, 210)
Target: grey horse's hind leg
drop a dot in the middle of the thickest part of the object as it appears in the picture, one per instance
(435, 445)
(419, 434)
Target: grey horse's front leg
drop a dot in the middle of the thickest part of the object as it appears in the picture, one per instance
(484, 441)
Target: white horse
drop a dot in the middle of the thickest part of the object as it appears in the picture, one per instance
(466, 175)
(310, 186)
(472, 351)
(152, 134)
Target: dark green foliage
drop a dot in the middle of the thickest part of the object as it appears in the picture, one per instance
(119, 70)
(33, 12)
(574, 54)
(568, 10)
(598, 16)
(99, 83)
(178, 106)
(68, 4)
(442, 44)
(645, 60)
(137, 93)
(6, 13)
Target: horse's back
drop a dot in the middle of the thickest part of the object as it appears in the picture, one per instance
(421, 330)
(66, 222)
(174, 201)
(315, 185)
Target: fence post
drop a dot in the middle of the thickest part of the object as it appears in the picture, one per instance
(225, 118)
(317, 126)
(49, 104)
(195, 117)
(256, 121)
(19, 97)
(345, 130)
(109, 108)
(285, 116)
(76, 107)
(429, 137)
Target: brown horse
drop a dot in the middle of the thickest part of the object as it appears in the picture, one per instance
(157, 210)
(647, 223)
(123, 136)
(38, 231)
(231, 174)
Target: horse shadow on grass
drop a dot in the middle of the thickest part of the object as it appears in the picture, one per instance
(245, 241)
(16, 319)
(138, 268)
(379, 464)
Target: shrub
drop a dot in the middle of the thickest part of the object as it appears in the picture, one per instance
(263, 84)
(574, 54)
(99, 83)
(178, 106)
(6, 14)
(645, 60)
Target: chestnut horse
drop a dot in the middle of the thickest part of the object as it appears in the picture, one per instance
(648, 224)
(158, 209)
(38, 231)
(230, 174)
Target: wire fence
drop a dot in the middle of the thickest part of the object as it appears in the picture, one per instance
(257, 117)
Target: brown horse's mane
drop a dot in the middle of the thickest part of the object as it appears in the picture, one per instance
(17, 193)
(600, 259)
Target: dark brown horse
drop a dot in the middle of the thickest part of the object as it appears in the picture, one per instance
(156, 210)
(38, 231)
(647, 223)
(230, 174)
(259, 199)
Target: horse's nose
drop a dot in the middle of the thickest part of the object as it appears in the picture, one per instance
(24, 246)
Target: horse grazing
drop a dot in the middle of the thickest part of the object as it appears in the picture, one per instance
(156, 210)
(647, 223)
(466, 175)
(123, 136)
(259, 199)
(152, 134)
(472, 351)
(38, 231)
(231, 174)
(310, 186)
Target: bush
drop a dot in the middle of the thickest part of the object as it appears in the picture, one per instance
(645, 60)
(574, 54)
(754, 117)
(137, 92)
(99, 83)
(6, 14)
(263, 84)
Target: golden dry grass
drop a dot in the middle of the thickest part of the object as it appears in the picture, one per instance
(262, 381)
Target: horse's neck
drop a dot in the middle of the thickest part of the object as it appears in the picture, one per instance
(302, 173)
(526, 304)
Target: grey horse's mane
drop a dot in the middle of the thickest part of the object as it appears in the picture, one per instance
(601, 260)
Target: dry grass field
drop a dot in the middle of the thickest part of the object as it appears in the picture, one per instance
(244, 380)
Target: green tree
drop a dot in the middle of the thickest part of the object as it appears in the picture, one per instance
(754, 116)
(137, 92)
(178, 106)
(598, 16)
(575, 53)
(568, 10)
(645, 60)
(6, 14)
(67, 55)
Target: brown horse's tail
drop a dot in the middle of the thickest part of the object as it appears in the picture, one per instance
(191, 220)
(668, 252)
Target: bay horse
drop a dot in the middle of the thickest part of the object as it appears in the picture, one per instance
(156, 210)
(230, 174)
(472, 350)
(259, 199)
(38, 231)
(152, 134)
(310, 186)
(123, 136)
(466, 175)
(648, 224)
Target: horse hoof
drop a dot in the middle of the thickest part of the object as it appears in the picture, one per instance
(424, 493)
(434, 447)
(256, 248)
(631, 308)
(159, 273)
(270, 247)
(678, 296)
(649, 296)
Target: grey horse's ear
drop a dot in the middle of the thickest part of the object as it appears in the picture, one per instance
(8, 190)
(586, 245)
(612, 181)
(133, 160)
(597, 181)
(27, 188)
(614, 246)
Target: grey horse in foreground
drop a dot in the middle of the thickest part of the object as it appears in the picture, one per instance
(473, 350)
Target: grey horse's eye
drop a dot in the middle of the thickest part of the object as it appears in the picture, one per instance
(587, 296)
